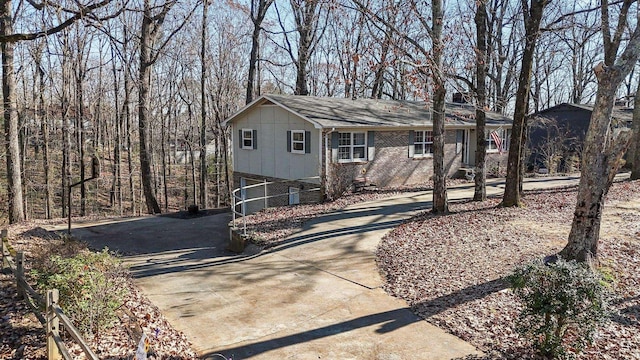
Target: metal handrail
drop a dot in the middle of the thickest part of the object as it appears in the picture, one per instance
(237, 200)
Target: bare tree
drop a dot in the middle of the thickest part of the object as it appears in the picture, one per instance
(604, 146)
(480, 191)
(257, 13)
(8, 39)
(310, 19)
(635, 142)
(152, 21)
(532, 17)
(440, 199)
(203, 107)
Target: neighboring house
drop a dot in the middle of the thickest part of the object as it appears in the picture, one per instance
(336, 141)
(556, 135)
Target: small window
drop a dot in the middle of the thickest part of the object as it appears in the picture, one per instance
(352, 147)
(297, 141)
(496, 140)
(247, 139)
(423, 143)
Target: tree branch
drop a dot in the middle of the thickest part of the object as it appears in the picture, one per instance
(84, 11)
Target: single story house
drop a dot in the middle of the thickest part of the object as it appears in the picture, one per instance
(327, 144)
(556, 135)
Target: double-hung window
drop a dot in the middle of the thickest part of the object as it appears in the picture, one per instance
(247, 139)
(423, 143)
(352, 146)
(297, 141)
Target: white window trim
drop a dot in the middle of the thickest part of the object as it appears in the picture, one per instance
(489, 140)
(351, 146)
(293, 150)
(423, 143)
(242, 145)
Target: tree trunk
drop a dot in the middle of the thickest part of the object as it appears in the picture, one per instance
(203, 110)
(634, 156)
(440, 200)
(480, 190)
(143, 110)
(603, 145)
(80, 130)
(44, 126)
(127, 116)
(600, 162)
(257, 17)
(533, 16)
(14, 175)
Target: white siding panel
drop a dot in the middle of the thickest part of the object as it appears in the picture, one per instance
(268, 151)
(271, 158)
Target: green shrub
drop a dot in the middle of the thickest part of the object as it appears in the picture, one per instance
(91, 287)
(563, 304)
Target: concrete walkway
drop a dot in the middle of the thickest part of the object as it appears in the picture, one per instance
(318, 296)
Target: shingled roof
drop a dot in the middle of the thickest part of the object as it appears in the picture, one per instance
(621, 114)
(325, 112)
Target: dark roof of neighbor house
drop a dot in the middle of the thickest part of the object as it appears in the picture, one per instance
(325, 112)
(622, 114)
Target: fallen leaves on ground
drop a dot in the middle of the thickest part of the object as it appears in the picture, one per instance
(22, 336)
(269, 227)
(451, 268)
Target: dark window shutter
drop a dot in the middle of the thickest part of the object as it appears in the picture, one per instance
(289, 141)
(371, 137)
(255, 139)
(240, 141)
(335, 138)
(307, 142)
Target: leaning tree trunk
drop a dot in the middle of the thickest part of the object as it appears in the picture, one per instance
(601, 159)
(440, 200)
(480, 190)
(14, 175)
(512, 189)
(604, 146)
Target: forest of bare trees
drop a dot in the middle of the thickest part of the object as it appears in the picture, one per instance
(144, 85)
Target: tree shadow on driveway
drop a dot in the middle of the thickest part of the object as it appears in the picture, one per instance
(388, 322)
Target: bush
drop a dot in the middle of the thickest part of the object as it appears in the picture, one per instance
(91, 287)
(340, 182)
(564, 302)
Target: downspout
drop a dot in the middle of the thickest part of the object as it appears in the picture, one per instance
(327, 158)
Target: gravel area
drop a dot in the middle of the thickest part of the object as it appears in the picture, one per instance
(450, 269)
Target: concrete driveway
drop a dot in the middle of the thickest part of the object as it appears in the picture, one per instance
(318, 296)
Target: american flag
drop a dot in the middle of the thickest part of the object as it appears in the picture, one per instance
(497, 139)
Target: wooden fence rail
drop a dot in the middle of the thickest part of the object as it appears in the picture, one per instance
(53, 317)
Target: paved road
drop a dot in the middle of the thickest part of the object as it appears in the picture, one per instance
(317, 296)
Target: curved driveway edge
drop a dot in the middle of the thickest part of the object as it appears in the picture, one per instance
(318, 296)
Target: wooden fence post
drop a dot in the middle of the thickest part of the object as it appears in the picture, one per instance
(53, 353)
(20, 274)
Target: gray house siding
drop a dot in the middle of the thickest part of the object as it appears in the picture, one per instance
(270, 157)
